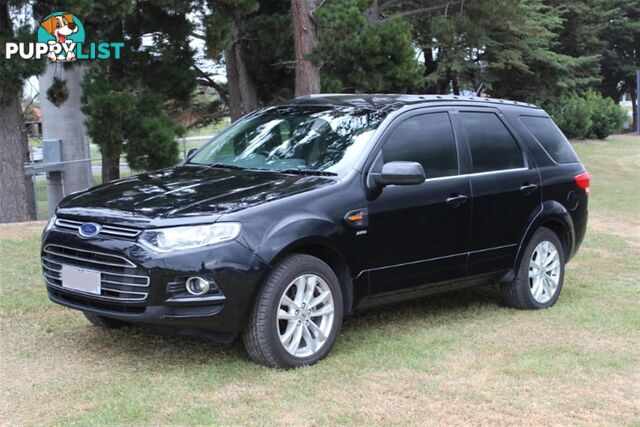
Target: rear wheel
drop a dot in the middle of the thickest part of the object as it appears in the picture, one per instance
(540, 274)
(104, 322)
(297, 316)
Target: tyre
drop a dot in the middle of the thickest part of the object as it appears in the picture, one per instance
(540, 273)
(297, 315)
(104, 322)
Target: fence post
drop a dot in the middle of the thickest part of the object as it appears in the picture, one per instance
(55, 191)
(34, 182)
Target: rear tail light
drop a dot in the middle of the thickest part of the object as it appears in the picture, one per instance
(584, 181)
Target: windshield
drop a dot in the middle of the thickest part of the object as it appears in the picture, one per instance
(321, 139)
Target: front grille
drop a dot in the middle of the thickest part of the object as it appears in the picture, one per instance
(106, 230)
(120, 280)
(100, 305)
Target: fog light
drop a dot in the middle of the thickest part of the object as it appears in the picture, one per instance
(197, 286)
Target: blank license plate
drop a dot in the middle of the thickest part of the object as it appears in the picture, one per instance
(81, 279)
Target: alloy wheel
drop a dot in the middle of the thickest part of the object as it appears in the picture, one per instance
(305, 315)
(544, 272)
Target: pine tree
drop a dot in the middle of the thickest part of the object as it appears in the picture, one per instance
(621, 56)
(224, 35)
(128, 101)
(16, 190)
(505, 48)
(360, 55)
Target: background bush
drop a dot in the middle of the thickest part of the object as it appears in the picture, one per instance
(589, 115)
(606, 116)
(572, 115)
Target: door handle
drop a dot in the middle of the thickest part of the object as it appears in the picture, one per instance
(527, 189)
(456, 200)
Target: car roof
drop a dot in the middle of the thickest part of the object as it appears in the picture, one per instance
(394, 101)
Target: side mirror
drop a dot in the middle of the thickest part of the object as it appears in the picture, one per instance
(401, 173)
(191, 152)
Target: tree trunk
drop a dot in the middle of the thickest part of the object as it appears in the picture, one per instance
(454, 86)
(110, 167)
(430, 66)
(17, 198)
(247, 87)
(444, 83)
(304, 40)
(233, 84)
(372, 13)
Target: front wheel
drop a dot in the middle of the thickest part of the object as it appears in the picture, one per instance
(540, 273)
(297, 315)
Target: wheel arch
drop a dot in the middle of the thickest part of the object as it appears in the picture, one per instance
(326, 252)
(554, 216)
(317, 237)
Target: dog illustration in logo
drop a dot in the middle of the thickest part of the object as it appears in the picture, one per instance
(61, 27)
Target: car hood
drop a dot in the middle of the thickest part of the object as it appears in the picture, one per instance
(186, 191)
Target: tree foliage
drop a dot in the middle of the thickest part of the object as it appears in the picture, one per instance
(270, 57)
(504, 48)
(357, 56)
(134, 98)
(544, 51)
(621, 55)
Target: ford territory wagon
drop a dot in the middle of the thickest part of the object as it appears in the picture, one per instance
(299, 214)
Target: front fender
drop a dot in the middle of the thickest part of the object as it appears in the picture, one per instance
(298, 231)
(314, 234)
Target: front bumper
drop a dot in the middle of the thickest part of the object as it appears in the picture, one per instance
(139, 286)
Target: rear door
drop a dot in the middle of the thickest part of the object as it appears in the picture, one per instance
(505, 189)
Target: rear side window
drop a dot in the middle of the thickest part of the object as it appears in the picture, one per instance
(426, 139)
(492, 146)
(551, 138)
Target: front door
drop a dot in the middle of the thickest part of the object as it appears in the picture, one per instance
(419, 234)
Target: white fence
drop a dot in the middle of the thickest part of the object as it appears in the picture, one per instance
(193, 142)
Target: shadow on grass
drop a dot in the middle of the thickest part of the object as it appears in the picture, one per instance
(142, 345)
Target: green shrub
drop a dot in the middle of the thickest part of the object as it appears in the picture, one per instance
(572, 115)
(606, 116)
(587, 116)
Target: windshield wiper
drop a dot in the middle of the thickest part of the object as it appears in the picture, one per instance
(225, 166)
(306, 172)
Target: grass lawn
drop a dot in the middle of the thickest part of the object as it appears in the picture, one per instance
(458, 358)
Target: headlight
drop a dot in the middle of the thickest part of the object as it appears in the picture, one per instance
(50, 224)
(180, 238)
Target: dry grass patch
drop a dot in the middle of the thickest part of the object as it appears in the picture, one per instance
(21, 231)
(628, 229)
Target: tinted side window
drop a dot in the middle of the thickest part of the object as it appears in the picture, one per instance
(492, 146)
(551, 138)
(426, 139)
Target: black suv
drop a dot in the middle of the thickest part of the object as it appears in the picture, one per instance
(301, 213)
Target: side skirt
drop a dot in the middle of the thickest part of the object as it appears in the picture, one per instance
(430, 289)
